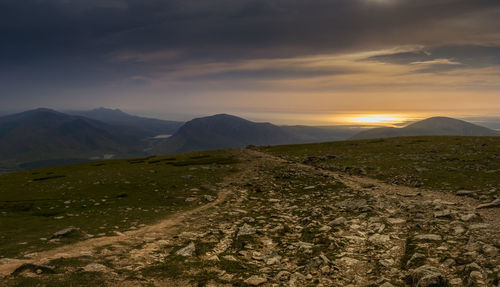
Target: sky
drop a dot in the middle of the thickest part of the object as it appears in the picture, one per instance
(286, 61)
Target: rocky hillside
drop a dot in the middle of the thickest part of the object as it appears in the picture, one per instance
(267, 217)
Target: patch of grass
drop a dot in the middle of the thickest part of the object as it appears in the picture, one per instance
(203, 277)
(443, 163)
(235, 267)
(100, 198)
(240, 242)
(61, 263)
(70, 279)
(172, 267)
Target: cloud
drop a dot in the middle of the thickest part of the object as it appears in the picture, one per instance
(436, 62)
(198, 51)
(224, 29)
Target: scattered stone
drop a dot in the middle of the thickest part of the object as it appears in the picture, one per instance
(208, 198)
(479, 226)
(349, 261)
(468, 217)
(396, 221)
(442, 213)
(230, 258)
(476, 275)
(490, 250)
(429, 237)
(458, 230)
(494, 203)
(246, 230)
(379, 239)
(282, 276)
(95, 267)
(273, 260)
(33, 268)
(464, 192)
(8, 260)
(325, 228)
(65, 232)
(426, 276)
(255, 280)
(187, 251)
(386, 262)
(338, 221)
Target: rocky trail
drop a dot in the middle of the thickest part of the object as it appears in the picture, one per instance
(279, 223)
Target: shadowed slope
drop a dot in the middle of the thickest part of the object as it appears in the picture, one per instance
(222, 131)
(43, 134)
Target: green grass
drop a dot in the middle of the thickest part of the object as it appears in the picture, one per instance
(102, 197)
(70, 279)
(443, 163)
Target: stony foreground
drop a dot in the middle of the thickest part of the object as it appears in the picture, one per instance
(277, 223)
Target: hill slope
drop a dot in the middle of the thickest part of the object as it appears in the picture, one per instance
(312, 134)
(435, 126)
(222, 131)
(129, 124)
(44, 134)
(260, 217)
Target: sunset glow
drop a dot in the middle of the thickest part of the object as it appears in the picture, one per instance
(366, 62)
(379, 119)
(375, 119)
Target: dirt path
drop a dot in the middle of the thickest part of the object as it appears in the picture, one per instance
(301, 227)
(166, 226)
(378, 187)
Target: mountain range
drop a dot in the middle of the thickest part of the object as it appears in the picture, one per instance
(130, 124)
(45, 137)
(435, 126)
(228, 131)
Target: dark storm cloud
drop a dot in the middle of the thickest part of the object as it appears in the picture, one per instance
(37, 29)
(473, 56)
(51, 47)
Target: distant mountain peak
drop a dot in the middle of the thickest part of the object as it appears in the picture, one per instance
(434, 126)
(42, 110)
(223, 131)
(103, 109)
(38, 112)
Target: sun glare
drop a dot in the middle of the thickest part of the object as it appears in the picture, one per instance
(378, 119)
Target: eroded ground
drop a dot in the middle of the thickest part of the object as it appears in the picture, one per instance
(282, 223)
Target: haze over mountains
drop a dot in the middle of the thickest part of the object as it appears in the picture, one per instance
(134, 125)
(45, 137)
(227, 131)
(435, 126)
